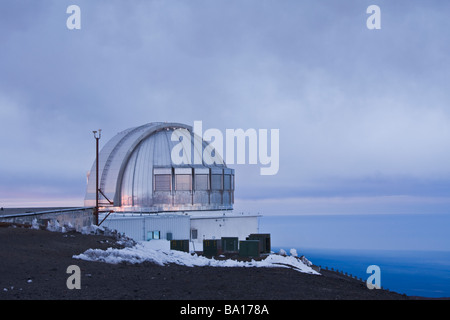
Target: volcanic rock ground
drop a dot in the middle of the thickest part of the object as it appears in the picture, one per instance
(33, 265)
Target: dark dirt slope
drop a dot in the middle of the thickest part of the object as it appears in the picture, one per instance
(33, 265)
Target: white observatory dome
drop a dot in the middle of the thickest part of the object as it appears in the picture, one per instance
(136, 172)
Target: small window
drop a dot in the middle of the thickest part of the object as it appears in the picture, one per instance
(153, 235)
(163, 182)
(183, 182)
(194, 233)
(216, 182)
(201, 182)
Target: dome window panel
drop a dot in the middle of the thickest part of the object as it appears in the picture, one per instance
(183, 182)
(202, 182)
(216, 182)
(163, 182)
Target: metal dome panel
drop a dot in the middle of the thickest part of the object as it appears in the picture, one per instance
(136, 171)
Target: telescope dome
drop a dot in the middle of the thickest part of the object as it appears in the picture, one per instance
(138, 172)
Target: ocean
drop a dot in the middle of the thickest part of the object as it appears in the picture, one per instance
(419, 266)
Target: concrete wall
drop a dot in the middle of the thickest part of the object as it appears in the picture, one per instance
(75, 218)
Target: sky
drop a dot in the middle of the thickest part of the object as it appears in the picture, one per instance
(363, 115)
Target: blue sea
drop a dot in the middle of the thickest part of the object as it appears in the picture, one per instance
(412, 251)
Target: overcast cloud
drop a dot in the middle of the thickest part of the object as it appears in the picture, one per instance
(364, 115)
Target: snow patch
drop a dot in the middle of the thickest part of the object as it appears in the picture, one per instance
(53, 225)
(293, 252)
(35, 224)
(157, 252)
(306, 261)
(121, 238)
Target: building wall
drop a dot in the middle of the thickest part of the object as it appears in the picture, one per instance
(208, 225)
(140, 227)
(218, 226)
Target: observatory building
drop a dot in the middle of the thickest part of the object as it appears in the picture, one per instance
(154, 197)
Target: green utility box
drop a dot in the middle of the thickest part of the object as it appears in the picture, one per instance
(249, 248)
(230, 244)
(212, 247)
(180, 245)
(264, 241)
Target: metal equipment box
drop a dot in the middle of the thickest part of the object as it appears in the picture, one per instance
(230, 244)
(264, 241)
(180, 245)
(212, 247)
(249, 248)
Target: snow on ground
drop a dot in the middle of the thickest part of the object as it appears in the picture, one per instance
(157, 251)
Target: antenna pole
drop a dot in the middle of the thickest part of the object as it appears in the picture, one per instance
(97, 138)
